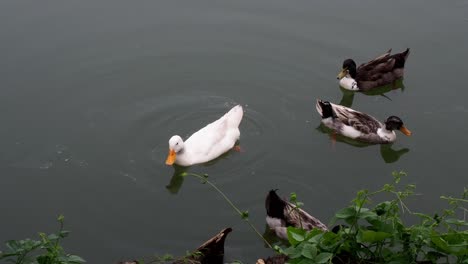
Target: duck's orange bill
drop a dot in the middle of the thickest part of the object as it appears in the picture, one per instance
(405, 131)
(342, 73)
(171, 157)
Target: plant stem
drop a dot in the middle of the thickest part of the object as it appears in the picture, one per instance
(204, 180)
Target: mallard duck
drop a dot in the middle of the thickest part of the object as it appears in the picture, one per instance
(207, 143)
(358, 125)
(383, 70)
(281, 214)
(210, 252)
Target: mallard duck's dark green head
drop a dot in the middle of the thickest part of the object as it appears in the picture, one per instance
(395, 123)
(349, 66)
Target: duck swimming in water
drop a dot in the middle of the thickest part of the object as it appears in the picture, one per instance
(207, 143)
(281, 214)
(358, 125)
(383, 70)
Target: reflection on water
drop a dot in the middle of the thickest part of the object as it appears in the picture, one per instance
(388, 154)
(347, 99)
(177, 179)
(271, 237)
(348, 96)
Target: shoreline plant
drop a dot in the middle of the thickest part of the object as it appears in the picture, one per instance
(46, 250)
(379, 235)
(363, 233)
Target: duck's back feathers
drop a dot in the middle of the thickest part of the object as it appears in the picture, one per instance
(234, 116)
(382, 70)
(281, 214)
(362, 122)
(354, 124)
(379, 59)
(212, 140)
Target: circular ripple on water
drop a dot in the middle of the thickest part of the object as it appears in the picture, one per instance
(149, 124)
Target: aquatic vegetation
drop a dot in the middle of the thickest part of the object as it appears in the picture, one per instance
(379, 235)
(46, 250)
(243, 214)
(364, 232)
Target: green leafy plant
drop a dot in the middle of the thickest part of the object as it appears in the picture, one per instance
(46, 250)
(378, 234)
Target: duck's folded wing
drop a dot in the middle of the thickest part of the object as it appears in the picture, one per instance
(299, 218)
(204, 140)
(375, 71)
(373, 62)
(364, 123)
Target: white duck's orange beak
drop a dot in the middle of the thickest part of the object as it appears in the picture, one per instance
(405, 131)
(171, 157)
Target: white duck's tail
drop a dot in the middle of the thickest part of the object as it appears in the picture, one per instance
(234, 116)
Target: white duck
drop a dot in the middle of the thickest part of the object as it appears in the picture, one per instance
(207, 143)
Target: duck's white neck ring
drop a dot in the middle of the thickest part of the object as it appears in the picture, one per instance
(349, 83)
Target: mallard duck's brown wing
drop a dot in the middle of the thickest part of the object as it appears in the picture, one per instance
(375, 71)
(378, 69)
(299, 218)
(362, 122)
(377, 60)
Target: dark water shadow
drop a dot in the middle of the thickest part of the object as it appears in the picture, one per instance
(177, 179)
(348, 96)
(387, 153)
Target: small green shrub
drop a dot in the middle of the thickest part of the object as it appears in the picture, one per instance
(378, 234)
(47, 250)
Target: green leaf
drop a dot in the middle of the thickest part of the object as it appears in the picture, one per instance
(12, 245)
(294, 252)
(346, 213)
(278, 249)
(323, 257)
(458, 222)
(245, 215)
(60, 218)
(293, 197)
(314, 235)
(52, 237)
(309, 251)
(367, 214)
(64, 233)
(295, 235)
(372, 236)
(306, 261)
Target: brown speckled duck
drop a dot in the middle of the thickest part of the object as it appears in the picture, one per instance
(281, 214)
(383, 70)
(360, 126)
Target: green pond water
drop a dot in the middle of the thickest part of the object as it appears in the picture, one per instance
(91, 91)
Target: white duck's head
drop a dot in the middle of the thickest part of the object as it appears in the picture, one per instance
(176, 145)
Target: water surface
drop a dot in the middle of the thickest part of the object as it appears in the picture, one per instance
(92, 91)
